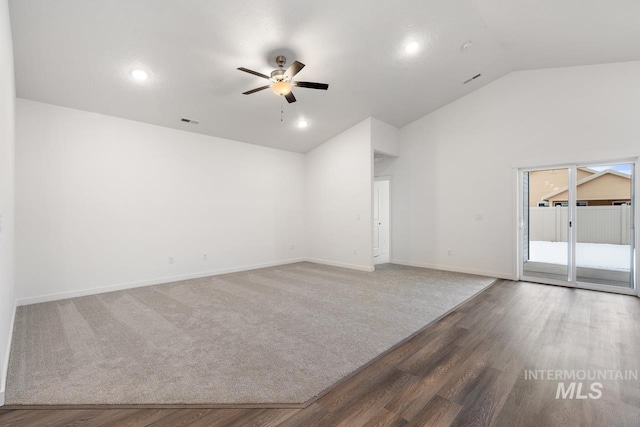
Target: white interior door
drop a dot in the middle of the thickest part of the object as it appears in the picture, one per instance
(381, 222)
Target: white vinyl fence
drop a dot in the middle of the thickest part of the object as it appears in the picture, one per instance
(595, 224)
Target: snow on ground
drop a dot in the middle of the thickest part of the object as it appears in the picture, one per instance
(592, 255)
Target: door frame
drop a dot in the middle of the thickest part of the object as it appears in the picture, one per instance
(390, 226)
(571, 282)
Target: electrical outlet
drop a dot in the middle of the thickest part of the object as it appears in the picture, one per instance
(355, 252)
(449, 252)
(170, 260)
(292, 247)
(205, 256)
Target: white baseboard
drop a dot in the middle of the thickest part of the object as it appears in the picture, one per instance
(5, 365)
(156, 281)
(339, 264)
(493, 274)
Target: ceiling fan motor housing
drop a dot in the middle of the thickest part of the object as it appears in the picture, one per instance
(278, 75)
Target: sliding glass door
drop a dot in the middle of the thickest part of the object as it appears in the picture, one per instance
(546, 227)
(604, 224)
(577, 226)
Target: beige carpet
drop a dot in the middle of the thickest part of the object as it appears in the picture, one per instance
(275, 335)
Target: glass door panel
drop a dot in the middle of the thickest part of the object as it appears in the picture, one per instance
(546, 224)
(604, 224)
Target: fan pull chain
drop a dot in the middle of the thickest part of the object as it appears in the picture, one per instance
(281, 109)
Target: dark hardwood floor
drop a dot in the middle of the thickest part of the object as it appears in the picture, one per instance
(468, 369)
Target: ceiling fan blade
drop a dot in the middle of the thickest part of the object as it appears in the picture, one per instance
(293, 69)
(258, 89)
(311, 85)
(255, 73)
(290, 98)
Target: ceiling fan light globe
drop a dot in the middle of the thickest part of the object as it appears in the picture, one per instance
(281, 88)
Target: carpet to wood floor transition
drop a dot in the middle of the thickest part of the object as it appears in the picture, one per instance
(276, 335)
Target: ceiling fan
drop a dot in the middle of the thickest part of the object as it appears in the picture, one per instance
(282, 80)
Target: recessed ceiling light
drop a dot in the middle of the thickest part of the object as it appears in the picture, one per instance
(412, 47)
(302, 123)
(139, 75)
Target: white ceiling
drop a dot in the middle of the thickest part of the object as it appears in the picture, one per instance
(79, 54)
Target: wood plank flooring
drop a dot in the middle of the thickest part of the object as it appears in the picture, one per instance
(465, 370)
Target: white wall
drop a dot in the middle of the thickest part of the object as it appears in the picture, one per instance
(104, 202)
(339, 199)
(385, 138)
(457, 162)
(7, 106)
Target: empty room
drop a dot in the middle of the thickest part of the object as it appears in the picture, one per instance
(233, 213)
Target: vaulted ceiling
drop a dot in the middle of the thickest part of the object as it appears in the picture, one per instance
(80, 54)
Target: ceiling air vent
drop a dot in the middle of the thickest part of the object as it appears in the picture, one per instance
(193, 122)
(472, 78)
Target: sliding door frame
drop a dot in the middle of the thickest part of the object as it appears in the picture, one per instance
(571, 281)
